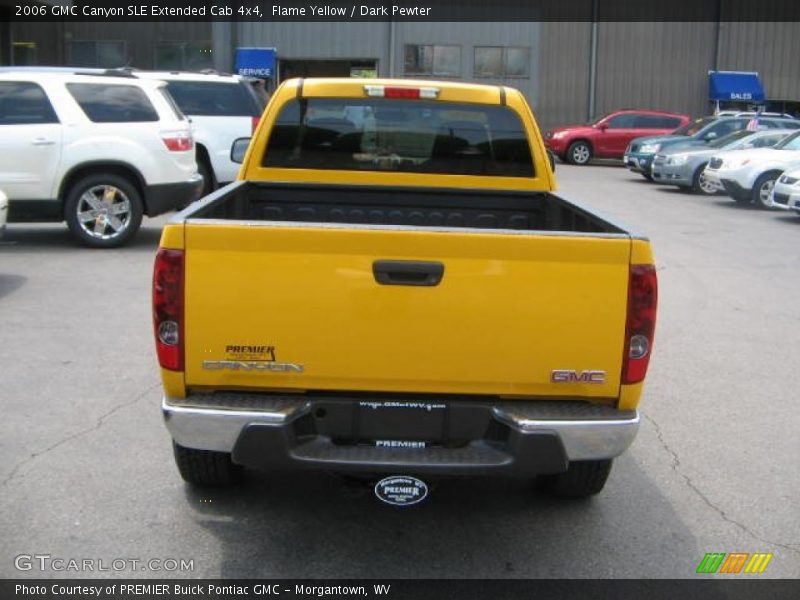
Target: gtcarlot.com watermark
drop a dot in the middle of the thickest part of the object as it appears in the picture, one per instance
(58, 564)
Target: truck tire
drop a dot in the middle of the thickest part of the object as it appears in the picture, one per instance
(579, 153)
(581, 479)
(762, 188)
(205, 467)
(103, 210)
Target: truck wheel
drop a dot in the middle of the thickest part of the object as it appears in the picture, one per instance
(579, 153)
(103, 210)
(762, 190)
(701, 185)
(205, 467)
(581, 480)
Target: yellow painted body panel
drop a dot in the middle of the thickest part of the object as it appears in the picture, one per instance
(508, 311)
(510, 308)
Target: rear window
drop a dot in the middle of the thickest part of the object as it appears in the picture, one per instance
(208, 99)
(105, 103)
(413, 136)
(24, 103)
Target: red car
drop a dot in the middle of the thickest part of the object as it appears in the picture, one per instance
(609, 136)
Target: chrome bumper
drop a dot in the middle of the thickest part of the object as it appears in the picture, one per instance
(584, 431)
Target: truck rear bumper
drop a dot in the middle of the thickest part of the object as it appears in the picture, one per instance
(363, 434)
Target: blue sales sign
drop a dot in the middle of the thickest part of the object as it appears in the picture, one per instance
(255, 62)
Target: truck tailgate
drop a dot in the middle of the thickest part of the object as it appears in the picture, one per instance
(274, 306)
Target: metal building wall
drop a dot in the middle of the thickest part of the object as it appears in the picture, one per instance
(564, 58)
(319, 40)
(771, 49)
(654, 65)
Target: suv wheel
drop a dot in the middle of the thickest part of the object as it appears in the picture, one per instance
(579, 153)
(204, 168)
(701, 184)
(762, 190)
(206, 467)
(103, 210)
(582, 479)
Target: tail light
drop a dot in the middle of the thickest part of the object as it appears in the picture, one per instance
(168, 308)
(408, 93)
(641, 322)
(178, 142)
(254, 123)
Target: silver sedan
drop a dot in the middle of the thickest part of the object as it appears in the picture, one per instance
(684, 166)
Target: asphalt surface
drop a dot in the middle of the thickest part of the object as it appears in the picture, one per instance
(87, 469)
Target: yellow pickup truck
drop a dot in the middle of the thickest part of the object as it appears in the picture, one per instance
(391, 287)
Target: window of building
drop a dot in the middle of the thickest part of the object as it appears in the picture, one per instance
(439, 61)
(105, 54)
(105, 103)
(24, 103)
(183, 56)
(24, 53)
(502, 62)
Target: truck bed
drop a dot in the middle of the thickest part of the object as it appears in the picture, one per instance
(400, 207)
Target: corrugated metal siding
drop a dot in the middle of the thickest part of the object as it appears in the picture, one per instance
(771, 49)
(661, 66)
(312, 40)
(564, 56)
(222, 35)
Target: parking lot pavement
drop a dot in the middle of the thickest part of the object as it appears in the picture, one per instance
(87, 469)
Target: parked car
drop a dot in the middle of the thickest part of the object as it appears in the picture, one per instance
(786, 193)
(608, 136)
(3, 213)
(641, 151)
(748, 176)
(222, 108)
(97, 152)
(685, 167)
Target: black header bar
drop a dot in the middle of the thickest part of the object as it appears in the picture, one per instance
(403, 10)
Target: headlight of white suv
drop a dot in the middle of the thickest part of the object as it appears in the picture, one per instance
(650, 148)
(678, 159)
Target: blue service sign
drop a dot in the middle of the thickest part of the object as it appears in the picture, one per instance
(255, 62)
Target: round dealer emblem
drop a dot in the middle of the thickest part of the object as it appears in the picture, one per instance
(399, 490)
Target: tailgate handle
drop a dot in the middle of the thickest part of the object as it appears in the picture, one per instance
(407, 272)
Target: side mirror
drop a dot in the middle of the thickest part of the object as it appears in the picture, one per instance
(603, 126)
(710, 136)
(239, 149)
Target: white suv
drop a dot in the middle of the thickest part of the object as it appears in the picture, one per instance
(222, 108)
(97, 152)
(749, 175)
